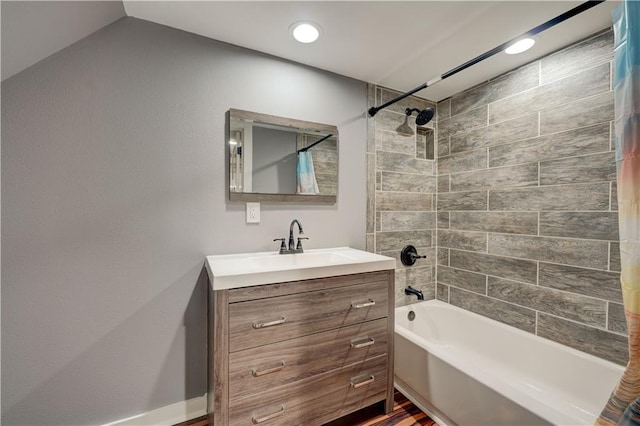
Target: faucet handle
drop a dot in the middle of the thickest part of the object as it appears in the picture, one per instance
(283, 246)
(299, 245)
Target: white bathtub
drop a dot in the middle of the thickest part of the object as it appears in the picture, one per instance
(465, 369)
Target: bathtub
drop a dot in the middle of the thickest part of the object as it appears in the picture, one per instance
(466, 369)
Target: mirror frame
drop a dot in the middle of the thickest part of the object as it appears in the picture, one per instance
(284, 122)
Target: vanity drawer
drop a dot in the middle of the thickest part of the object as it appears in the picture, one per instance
(259, 369)
(317, 399)
(260, 322)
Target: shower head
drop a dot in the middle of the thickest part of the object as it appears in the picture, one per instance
(423, 117)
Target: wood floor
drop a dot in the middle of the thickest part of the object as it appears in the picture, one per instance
(404, 414)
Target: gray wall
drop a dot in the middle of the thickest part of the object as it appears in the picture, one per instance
(113, 189)
(527, 211)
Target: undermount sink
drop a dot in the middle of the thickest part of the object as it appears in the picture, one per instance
(247, 269)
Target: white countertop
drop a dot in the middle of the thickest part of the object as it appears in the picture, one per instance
(248, 269)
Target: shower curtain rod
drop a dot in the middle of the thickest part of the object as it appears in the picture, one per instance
(315, 143)
(537, 30)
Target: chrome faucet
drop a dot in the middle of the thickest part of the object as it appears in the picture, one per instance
(410, 290)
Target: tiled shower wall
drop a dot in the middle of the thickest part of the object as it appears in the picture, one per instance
(527, 212)
(401, 190)
(525, 199)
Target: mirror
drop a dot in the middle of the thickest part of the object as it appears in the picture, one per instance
(281, 159)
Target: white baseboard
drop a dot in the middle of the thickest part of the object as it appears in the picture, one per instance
(168, 415)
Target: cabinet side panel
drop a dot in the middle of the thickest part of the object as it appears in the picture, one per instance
(388, 407)
(219, 377)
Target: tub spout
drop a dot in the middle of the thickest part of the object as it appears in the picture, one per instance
(410, 290)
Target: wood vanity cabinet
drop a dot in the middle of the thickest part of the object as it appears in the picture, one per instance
(302, 352)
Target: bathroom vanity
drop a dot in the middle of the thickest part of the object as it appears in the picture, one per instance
(299, 339)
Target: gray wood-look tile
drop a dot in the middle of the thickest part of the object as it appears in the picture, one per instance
(396, 240)
(586, 83)
(592, 254)
(592, 225)
(401, 299)
(458, 124)
(586, 168)
(371, 122)
(504, 222)
(442, 292)
(474, 200)
(577, 57)
(371, 192)
(395, 142)
(443, 220)
(463, 279)
(614, 257)
(398, 201)
(464, 161)
(421, 144)
(584, 112)
(443, 256)
(443, 183)
(516, 81)
(391, 121)
(378, 179)
(515, 316)
(588, 282)
(510, 176)
(595, 341)
(407, 182)
(614, 196)
(571, 306)
(370, 243)
(617, 319)
(499, 133)
(442, 144)
(325, 167)
(418, 277)
(504, 267)
(580, 141)
(463, 240)
(396, 162)
(558, 198)
(386, 94)
(407, 221)
(444, 109)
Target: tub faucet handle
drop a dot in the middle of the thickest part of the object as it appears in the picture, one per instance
(409, 255)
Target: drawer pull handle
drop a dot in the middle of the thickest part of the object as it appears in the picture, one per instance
(256, 373)
(358, 342)
(257, 325)
(366, 304)
(257, 420)
(365, 382)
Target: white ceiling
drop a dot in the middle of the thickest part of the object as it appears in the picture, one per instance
(397, 44)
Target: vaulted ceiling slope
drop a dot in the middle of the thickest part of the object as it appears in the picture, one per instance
(397, 44)
(33, 30)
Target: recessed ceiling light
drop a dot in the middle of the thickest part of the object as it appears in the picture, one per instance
(305, 32)
(520, 46)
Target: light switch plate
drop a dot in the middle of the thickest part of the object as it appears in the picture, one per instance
(253, 212)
